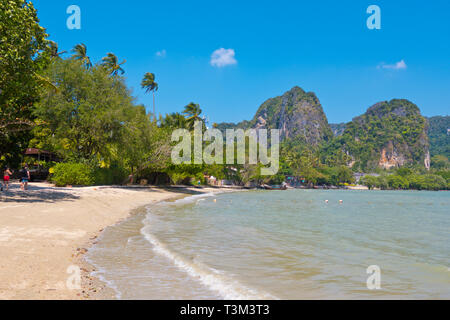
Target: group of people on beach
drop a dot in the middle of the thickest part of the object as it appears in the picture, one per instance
(24, 178)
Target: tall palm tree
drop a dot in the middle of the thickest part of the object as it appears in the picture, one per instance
(53, 47)
(80, 53)
(148, 83)
(192, 112)
(111, 62)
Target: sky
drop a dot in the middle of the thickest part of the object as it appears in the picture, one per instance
(231, 56)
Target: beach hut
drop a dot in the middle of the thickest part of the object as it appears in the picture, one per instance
(41, 155)
(37, 172)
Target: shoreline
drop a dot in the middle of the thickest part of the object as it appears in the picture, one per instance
(99, 289)
(46, 230)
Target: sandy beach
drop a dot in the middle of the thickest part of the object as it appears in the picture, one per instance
(45, 232)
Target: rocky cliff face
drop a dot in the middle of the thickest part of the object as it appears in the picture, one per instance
(337, 128)
(390, 134)
(298, 114)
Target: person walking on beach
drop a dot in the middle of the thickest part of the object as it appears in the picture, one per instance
(6, 177)
(24, 178)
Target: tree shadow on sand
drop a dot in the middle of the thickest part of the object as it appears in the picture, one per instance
(36, 194)
(182, 189)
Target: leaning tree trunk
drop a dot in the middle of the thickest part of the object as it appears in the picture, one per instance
(154, 109)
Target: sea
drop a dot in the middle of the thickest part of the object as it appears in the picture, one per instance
(293, 244)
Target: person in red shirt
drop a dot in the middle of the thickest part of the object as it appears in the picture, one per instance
(6, 177)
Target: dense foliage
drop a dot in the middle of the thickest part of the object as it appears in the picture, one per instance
(439, 134)
(411, 181)
(396, 125)
(23, 57)
(72, 174)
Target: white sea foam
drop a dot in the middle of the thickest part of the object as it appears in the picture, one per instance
(195, 197)
(228, 288)
(100, 272)
(215, 280)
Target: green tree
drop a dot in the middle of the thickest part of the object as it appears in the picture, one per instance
(85, 117)
(370, 181)
(440, 162)
(345, 175)
(397, 182)
(80, 53)
(427, 182)
(24, 54)
(92, 120)
(192, 112)
(404, 172)
(148, 83)
(54, 50)
(174, 120)
(111, 63)
(145, 147)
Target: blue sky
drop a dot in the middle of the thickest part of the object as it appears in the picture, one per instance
(321, 46)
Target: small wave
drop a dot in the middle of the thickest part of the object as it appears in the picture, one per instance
(229, 289)
(188, 199)
(195, 197)
(99, 274)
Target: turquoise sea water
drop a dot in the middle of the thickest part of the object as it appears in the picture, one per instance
(282, 245)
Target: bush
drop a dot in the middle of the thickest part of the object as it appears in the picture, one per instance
(72, 174)
(108, 176)
(444, 174)
(434, 182)
(198, 177)
(398, 182)
(440, 162)
(370, 181)
(382, 182)
(180, 178)
(345, 175)
(427, 182)
(416, 181)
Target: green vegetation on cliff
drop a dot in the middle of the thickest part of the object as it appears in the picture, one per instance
(391, 133)
(439, 134)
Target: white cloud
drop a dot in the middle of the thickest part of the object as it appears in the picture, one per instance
(222, 57)
(396, 66)
(161, 53)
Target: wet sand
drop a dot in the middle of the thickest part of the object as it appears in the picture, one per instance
(46, 231)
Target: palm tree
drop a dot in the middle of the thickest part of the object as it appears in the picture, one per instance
(193, 112)
(53, 46)
(111, 62)
(148, 83)
(80, 53)
(174, 120)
